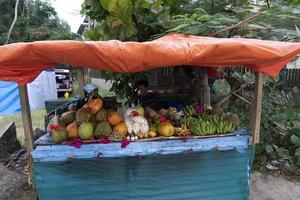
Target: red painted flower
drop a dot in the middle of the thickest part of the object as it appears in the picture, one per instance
(92, 138)
(104, 141)
(185, 138)
(214, 72)
(164, 119)
(54, 127)
(76, 143)
(125, 143)
(199, 109)
(135, 113)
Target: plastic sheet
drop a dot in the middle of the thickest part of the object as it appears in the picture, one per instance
(22, 62)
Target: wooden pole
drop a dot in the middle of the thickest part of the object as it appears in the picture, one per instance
(255, 116)
(206, 88)
(26, 118)
(80, 76)
(27, 123)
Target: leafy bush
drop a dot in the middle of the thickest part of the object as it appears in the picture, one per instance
(277, 150)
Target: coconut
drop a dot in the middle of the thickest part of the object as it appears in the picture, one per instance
(68, 117)
(84, 115)
(72, 131)
(59, 135)
(86, 130)
(103, 129)
(101, 115)
(55, 121)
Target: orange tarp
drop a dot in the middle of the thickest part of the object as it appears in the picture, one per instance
(22, 62)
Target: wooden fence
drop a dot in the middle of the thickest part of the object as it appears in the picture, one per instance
(291, 78)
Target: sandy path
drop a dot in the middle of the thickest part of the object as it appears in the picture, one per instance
(267, 187)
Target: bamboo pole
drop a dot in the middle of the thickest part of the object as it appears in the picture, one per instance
(80, 76)
(28, 131)
(255, 115)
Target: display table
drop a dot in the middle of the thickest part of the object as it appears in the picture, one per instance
(208, 168)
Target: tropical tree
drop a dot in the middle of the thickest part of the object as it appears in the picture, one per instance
(37, 20)
(143, 20)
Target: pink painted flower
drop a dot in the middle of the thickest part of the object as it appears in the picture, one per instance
(135, 113)
(104, 141)
(164, 119)
(185, 138)
(54, 127)
(76, 143)
(199, 109)
(125, 143)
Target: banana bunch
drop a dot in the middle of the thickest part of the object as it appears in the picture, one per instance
(208, 124)
(182, 130)
(189, 111)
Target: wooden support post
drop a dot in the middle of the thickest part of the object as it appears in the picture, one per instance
(255, 116)
(26, 118)
(27, 123)
(80, 76)
(206, 88)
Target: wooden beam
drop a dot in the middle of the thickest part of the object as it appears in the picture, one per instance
(27, 123)
(255, 116)
(80, 77)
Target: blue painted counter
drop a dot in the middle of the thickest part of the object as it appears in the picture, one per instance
(210, 168)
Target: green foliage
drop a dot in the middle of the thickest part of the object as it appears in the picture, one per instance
(124, 85)
(280, 121)
(295, 140)
(37, 20)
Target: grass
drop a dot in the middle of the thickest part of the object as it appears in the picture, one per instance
(37, 117)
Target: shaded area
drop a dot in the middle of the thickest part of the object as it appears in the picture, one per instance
(207, 175)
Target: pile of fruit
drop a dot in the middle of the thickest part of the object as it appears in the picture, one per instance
(92, 121)
(211, 120)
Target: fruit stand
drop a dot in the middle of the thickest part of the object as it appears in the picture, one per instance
(94, 152)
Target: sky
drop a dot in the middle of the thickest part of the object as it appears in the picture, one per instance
(69, 10)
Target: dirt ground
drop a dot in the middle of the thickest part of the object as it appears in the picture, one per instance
(14, 186)
(267, 187)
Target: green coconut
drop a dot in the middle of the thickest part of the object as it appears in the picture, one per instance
(84, 115)
(103, 130)
(57, 121)
(86, 130)
(68, 117)
(59, 135)
(101, 115)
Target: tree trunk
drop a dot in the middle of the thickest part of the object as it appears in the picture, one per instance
(13, 23)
